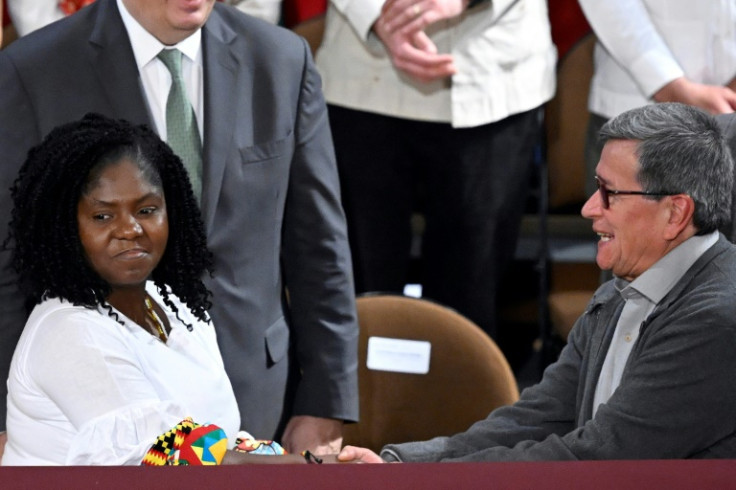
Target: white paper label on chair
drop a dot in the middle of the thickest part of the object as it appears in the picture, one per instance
(398, 355)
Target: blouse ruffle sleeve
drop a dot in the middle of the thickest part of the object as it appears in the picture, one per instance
(123, 436)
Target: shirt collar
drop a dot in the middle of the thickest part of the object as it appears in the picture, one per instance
(661, 277)
(146, 47)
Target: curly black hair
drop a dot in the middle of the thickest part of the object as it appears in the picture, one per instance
(48, 254)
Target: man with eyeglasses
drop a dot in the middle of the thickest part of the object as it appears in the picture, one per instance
(649, 369)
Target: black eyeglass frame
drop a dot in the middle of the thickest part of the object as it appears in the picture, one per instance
(606, 192)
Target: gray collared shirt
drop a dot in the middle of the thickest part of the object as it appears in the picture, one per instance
(642, 295)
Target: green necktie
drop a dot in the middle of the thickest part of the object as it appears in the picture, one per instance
(181, 123)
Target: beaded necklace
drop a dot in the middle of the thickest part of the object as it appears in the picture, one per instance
(157, 328)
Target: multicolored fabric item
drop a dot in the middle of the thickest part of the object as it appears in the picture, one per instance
(245, 443)
(192, 444)
(188, 443)
(205, 445)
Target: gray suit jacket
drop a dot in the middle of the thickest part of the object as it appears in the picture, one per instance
(727, 122)
(676, 398)
(270, 199)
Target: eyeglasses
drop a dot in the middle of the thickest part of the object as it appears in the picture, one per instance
(605, 193)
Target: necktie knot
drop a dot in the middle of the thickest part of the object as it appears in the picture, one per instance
(172, 59)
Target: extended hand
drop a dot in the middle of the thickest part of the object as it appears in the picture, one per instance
(318, 435)
(416, 15)
(712, 98)
(353, 454)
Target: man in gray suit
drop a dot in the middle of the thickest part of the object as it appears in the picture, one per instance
(282, 304)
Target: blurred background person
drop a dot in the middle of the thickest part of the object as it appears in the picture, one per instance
(29, 15)
(658, 51)
(440, 98)
(269, 10)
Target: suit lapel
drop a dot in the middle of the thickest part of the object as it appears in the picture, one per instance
(114, 65)
(223, 98)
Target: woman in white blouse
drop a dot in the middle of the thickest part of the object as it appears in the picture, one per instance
(110, 246)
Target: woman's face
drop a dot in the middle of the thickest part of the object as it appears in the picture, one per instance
(123, 225)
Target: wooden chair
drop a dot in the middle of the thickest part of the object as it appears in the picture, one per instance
(558, 236)
(468, 375)
(566, 121)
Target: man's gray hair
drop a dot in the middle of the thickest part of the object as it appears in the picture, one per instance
(681, 150)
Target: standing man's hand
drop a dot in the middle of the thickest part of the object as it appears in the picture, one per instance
(353, 454)
(712, 98)
(416, 15)
(401, 29)
(318, 435)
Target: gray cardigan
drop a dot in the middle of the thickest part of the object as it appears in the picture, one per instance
(677, 397)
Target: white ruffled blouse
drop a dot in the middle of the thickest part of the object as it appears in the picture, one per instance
(85, 390)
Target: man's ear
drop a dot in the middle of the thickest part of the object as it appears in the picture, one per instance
(681, 210)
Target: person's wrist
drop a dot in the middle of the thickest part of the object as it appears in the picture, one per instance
(672, 91)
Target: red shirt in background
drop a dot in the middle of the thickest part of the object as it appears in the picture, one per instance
(568, 24)
(6, 18)
(297, 11)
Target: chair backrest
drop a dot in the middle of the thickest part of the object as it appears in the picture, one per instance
(468, 375)
(566, 119)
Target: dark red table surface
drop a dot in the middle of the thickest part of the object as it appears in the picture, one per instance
(599, 475)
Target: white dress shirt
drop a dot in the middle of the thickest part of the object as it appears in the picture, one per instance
(645, 44)
(155, 77)
(85, 390)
